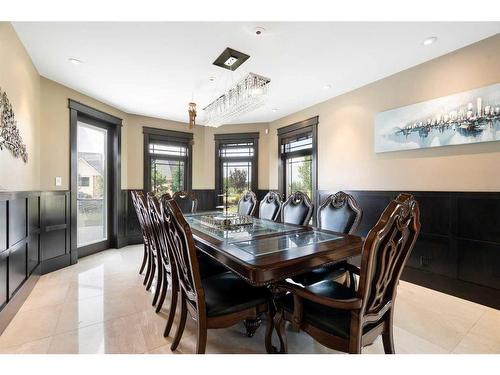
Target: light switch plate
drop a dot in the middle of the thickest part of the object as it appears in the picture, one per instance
(58, 181)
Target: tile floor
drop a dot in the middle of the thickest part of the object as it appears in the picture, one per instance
(100, 306)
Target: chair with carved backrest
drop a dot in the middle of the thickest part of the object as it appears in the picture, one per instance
(345, 319)
(156, 268)
(339, 213)
(160, 240)
(140, 205)
(187, 201)
(247, 203)
(270, 206)
(145, 257)
(218, 301)
(297, 209)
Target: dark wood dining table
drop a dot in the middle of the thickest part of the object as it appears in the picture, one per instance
(266, 252)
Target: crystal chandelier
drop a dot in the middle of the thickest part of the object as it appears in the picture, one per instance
(245, 96)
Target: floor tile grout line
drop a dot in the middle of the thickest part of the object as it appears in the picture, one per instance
(469, 330)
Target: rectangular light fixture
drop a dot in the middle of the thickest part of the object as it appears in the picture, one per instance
(231, 59)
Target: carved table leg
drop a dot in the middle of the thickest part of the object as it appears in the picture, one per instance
(276, 323)
(251, 325)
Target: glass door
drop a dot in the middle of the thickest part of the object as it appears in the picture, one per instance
(92, 186)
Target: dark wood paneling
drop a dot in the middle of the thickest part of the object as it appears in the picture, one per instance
(3, 225)
(17, 220)
(459, 244)
(479, 217)
(55, 225)
(31, 223)
(479, 262)
(434, 254)
(17, 267)
(53, 244)
(206, 199)
(3, 282)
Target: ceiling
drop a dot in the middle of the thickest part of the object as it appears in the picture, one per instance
(155, 69)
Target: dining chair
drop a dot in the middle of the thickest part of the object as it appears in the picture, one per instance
(339, 213)
(145, 257)
(187, 201)
(297, 209)
(347, 319)
(247, 203)
(156, 264)
(162, 247)
(141, 206)
(270, 206)
(218, 301)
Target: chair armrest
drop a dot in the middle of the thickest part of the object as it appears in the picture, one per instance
(302, 293)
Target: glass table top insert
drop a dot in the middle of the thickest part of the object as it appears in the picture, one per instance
(258, 228)
(264, 246)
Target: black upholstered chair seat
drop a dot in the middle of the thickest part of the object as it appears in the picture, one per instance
(227, 293)
(209, 266)
(334, 321)
(318, 274)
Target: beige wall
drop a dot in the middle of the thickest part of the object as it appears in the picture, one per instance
(203, 149)
(54, 135)
(20, 80)
(346, 158)
(345, 133)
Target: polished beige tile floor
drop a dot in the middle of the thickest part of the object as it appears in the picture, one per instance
(100, 306)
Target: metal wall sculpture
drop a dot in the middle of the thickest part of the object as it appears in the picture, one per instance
(468, 117)
(10, 138)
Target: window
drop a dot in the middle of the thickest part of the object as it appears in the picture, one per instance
(235, 166)
(167, 160)
(297, 149)
(83, 181)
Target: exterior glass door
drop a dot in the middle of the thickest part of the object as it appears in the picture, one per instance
(92, 185)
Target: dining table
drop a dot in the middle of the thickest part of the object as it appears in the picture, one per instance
(264, 252)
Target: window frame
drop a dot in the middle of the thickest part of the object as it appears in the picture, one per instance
(152, 135)
(309, 126)
(223, 139)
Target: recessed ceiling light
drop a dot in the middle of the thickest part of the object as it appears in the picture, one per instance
(274, 109)
(211, 79)
(259, 31)
(429, 41)
(75, 61)
(327, 87)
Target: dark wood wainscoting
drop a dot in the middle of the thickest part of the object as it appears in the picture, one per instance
(129, 229)
(34, 239)
(458, 250)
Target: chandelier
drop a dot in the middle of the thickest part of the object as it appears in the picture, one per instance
(246, 95)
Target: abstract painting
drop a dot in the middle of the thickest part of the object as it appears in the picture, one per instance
(9, 132)
(468, 117)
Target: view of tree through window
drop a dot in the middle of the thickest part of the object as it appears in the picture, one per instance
(236, 163)
(167, 176)
(299, 175)
(167, 163)
(237, 179)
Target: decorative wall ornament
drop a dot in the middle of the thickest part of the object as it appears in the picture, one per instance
(468, 117)
(10, 138)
